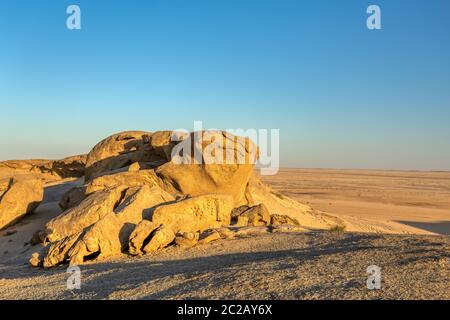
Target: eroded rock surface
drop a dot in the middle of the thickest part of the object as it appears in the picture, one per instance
(145, 191)
(69, 167)
(72, 197)
(186, 216)
(257, 215)
(117, 151)
(89, 211)
(19, 196)
(225, 172)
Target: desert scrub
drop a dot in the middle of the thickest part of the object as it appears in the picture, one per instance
(337, 228)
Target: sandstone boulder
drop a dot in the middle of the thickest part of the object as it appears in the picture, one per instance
(15, 167)
(187, 239)
(35, 260)
(109, 235)
(257, 215)
(89, 211)
(186, 216)
(117, 151)
(241, 221)
(162, 144)
(19, 196)
(60, 250)
(48, 169)
(208, 237)
(225, 233)
(195, 214)
(278, 219)
(139, 235)
(134, 167)
(72, 197)
(70, 167)
(160, 238)
(218, 163)
(129, 179)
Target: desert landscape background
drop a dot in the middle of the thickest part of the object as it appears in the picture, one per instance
(416, 202)
(398, 220)
(318, 84)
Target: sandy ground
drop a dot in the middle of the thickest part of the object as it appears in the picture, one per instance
(317, 265)
(408, 202)
(412, 206)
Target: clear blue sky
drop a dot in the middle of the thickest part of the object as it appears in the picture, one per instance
(342, 96)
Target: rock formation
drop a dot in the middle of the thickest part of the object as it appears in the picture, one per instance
(22, 184)
(51, 169)
(19, 196)
(145, 191)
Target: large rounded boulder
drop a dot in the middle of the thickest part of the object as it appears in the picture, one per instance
(117, 151)
(19, 196)
(211, 162)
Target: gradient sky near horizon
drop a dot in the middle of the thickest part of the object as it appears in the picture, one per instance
(342, 96)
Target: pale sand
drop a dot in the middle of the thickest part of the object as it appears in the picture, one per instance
(317, 265)
(312, 265)
(409, 202)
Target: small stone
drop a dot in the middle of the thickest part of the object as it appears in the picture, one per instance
(187, 239)
(209, 237)
(225, 233)
(35, 261)
(277, 219)
(134, 167)
(256, 216)
(162, 237)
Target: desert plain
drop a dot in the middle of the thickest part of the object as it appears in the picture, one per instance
(397, 220)
(380, 201)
